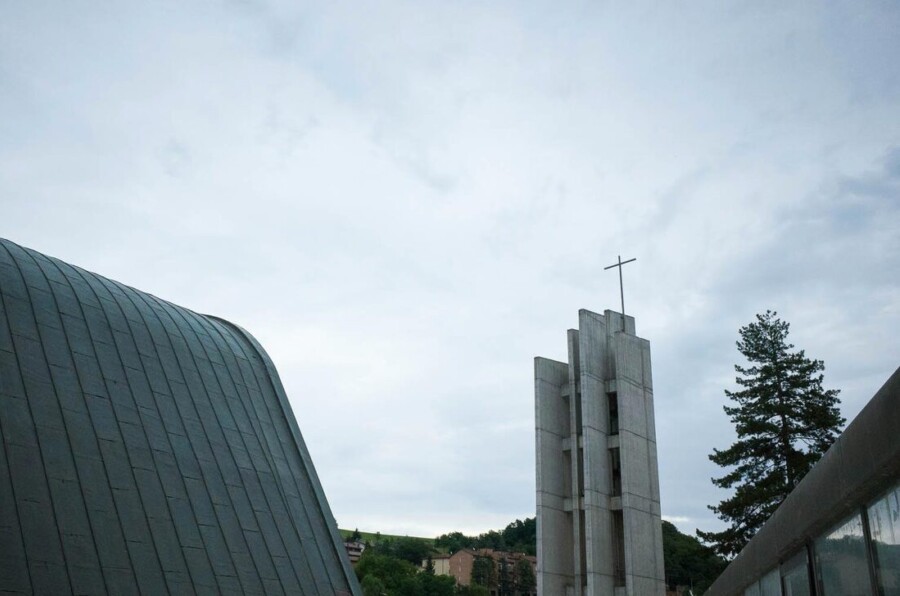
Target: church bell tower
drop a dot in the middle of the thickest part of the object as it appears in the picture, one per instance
(599, 530)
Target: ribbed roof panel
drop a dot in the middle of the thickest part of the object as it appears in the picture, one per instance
(147, 448)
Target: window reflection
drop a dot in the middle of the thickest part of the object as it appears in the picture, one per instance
(795, 575)
(884, 527)
(841, 564)
(770, 584)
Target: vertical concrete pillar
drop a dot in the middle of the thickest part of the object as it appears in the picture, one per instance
(598, 514)
(575, 447)
(554, 525)
(594, 366)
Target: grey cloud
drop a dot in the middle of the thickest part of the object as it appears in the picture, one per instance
(406, 202)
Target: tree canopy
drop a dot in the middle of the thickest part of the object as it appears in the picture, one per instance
(785, 420)
(519, 536)
(382, 572)
(688, 562)
(405, 548)
(385, 574)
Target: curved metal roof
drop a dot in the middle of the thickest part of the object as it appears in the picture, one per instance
(147, 448)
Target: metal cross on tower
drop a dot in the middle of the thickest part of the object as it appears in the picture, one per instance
(621, 289)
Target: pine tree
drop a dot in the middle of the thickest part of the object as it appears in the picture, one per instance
(785, 420)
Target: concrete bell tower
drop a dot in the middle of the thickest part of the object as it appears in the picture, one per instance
(599, 530)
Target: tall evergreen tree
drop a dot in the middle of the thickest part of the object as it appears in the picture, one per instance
(785, 420)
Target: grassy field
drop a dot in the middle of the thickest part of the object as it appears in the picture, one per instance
(371, 536)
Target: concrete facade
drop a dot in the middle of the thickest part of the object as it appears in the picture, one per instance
(599, 529)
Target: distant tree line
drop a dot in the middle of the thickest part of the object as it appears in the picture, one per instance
(392, 566)
(689, 563)
(519, 536)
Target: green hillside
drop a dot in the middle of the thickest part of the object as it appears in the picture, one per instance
(374, 537)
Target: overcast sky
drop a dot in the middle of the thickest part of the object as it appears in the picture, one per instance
(405, 202)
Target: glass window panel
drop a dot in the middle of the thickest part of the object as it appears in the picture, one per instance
(752, 590)
(841, 564)
(884, 527)
(770, 584)
(795, 575)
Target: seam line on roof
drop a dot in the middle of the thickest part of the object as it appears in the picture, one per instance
(8, 468)
(62, 547)
(126, 295)
(164, 310)
(169, 309)
(275, 381)
(232, 413)
(297, 479)
(153, 540)
(62, 414)
(115, 506)
(147, 311)
(244, 400)
(311, 511)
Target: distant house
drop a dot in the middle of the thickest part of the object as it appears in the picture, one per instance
(441, 565)
(459, 565)
(355, 550)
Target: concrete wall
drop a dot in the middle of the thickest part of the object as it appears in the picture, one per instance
(640, 476)
(576, 464)
(595, 368)
(554, 525)
(577, 545)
